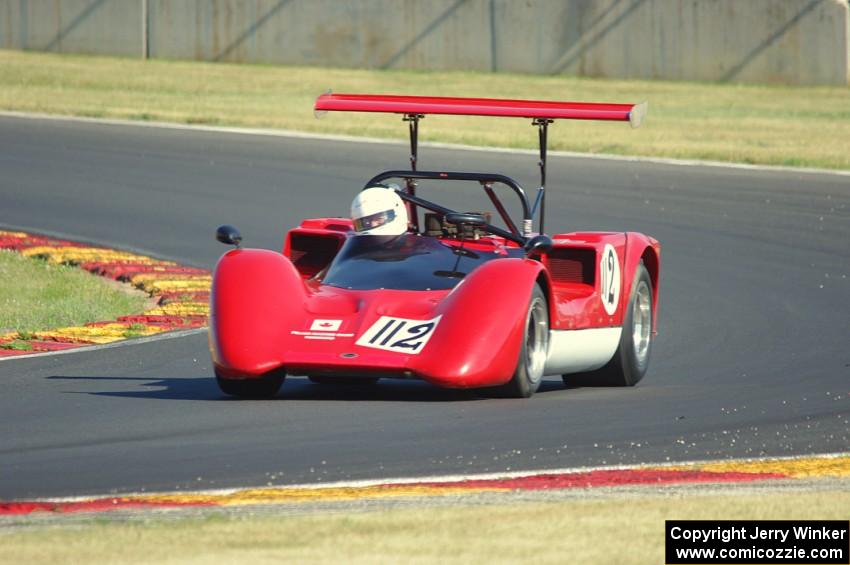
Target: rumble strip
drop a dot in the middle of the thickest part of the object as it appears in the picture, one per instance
(729, 471)
(181, 294)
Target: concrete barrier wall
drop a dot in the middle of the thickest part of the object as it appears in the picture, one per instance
(785, 41)
(109, 27)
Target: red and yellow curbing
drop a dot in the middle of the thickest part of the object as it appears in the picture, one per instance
(733, 471)
(181, 294)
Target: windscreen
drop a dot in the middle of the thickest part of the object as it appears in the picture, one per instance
(404, 262)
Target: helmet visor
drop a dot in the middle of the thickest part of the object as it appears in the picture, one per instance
(373, 221)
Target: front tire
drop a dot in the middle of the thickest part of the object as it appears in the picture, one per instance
(534, 351)
(265, 387)
(629, 364)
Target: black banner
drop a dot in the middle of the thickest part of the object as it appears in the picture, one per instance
(757, 541)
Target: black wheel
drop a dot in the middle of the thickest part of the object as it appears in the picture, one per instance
(629, 364)
(265, 387)
(332, 380)
(534, 350)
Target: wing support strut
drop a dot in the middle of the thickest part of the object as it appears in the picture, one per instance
(410, 184)
(542, 135)
(539, 201)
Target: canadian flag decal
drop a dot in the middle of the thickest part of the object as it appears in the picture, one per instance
(325, 325)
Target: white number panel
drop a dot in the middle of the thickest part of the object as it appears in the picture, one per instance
(609, 287)
(399, 334)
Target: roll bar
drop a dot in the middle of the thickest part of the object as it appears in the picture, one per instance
(485, 179)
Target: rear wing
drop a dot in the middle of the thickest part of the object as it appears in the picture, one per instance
(533, 109)
(541, 112)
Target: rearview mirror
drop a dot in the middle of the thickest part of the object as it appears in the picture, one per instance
(228, 235)
(537, 245)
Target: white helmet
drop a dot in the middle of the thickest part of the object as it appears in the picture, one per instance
(379, 211)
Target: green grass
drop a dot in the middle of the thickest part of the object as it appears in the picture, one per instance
(134, 330)
(36, 295)
(795, 126)
(17, 345)
(617, 529)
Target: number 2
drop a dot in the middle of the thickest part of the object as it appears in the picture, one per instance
(417, 332)
(610, 277)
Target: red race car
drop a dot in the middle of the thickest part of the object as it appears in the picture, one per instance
(407, 288)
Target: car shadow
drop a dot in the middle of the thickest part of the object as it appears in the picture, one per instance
(163, 388)
(294, 389)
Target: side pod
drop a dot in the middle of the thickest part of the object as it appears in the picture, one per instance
(256, 295)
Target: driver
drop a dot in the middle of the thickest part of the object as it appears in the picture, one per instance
(378, 210)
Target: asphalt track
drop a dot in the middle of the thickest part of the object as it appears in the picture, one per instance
(753, 356)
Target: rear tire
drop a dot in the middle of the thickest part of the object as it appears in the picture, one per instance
(629, 364)
(265, 387)
(534, 350)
